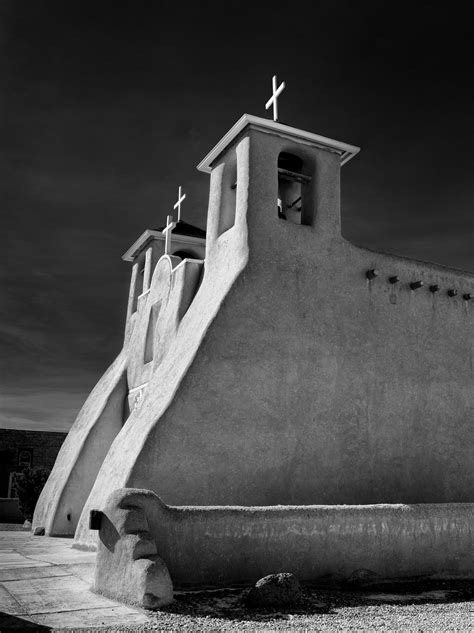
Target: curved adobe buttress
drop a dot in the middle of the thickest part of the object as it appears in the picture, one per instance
(59, 507)
(177, 336)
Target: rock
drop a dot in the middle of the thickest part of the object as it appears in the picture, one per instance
(38, 531)
(362, 577)
(275, 590)
(27, 525)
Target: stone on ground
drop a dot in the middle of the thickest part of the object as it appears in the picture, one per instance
(275, 590)
(362, 577)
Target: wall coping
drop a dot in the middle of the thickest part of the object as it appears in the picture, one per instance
(345, 151)
(152, 234)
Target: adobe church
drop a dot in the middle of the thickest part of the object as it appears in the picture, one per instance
(270, 361)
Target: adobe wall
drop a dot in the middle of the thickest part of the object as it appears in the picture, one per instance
(314, 385)
(10, 511)
(220, 546)
(292, 379)
(173, 287)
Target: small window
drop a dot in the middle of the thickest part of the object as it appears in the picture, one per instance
(13, 485)
(141, 277)
(150, 333)
(138, 283)
(25, 458)
(292, 183)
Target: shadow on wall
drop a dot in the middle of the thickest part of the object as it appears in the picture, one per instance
(10, 511)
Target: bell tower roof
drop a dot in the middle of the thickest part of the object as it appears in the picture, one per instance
(345, 151)
(183, 232)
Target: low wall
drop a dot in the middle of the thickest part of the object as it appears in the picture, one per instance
(10, 511)
(226, 544)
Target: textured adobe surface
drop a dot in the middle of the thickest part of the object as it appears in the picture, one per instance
(221, 546)
(281, 374)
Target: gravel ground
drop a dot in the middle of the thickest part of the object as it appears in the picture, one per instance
(427, 606)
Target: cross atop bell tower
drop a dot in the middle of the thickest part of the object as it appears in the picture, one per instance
(181, 198)
(274, 98)
(170, 225)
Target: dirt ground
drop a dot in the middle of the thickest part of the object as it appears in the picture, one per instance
(414, 606)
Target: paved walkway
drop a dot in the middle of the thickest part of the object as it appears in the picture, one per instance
(45, 584)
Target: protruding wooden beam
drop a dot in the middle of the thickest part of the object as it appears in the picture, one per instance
(95, 519)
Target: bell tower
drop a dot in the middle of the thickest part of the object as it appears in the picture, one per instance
(281, 182)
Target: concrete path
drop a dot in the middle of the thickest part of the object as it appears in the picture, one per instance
(45, 584)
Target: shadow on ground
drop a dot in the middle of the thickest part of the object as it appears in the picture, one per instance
(319, 599)
(16, 623)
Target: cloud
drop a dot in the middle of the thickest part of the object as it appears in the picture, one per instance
(103, 118)
(49, 402)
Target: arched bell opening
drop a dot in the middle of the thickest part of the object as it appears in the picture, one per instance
(185, 254)
(293, 179)
(228, 193)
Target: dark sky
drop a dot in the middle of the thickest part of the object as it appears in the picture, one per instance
(107, 107)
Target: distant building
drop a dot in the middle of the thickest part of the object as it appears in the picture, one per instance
(21, 449)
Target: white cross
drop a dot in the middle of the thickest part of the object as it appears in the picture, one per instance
(274, 97)
(178, 204)
(167, 233)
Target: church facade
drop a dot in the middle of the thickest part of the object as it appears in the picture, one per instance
(270, 361)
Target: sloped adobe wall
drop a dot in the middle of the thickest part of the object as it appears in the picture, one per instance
(314, 384)
(292, 378)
